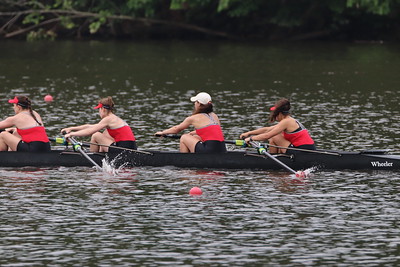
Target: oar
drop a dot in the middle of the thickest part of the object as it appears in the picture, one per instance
(77, 146)
(118, 147)
(62, 141)
(242, 143)
(262, 150)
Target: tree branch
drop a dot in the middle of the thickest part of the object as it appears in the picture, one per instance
(81, 14)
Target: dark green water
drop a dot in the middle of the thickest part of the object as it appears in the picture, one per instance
(346, 94)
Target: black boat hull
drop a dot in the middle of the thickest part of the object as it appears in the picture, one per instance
(231, 160)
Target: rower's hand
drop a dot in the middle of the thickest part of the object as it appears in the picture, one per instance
(66, 130)
(243, 135)
(247, 140)
(10, 130)
(159, 134)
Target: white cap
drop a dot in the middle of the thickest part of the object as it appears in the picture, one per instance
(202, 97)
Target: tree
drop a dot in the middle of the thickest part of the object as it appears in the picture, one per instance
(235, 19)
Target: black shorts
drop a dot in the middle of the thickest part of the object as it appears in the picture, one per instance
(124, 144)
(35, 146)
(210, 146)
(292, 151)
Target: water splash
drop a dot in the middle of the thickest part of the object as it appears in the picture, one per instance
(111, 167)
(307, 173)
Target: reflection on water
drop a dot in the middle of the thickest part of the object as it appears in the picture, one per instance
(346, 94)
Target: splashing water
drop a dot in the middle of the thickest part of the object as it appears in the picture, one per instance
(307, 173)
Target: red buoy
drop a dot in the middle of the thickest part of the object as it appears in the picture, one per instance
(195, 191)
(48, 98)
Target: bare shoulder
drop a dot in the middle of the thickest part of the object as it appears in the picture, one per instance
(214, 115)
(105, 121)
(290, 124)
(192, 118)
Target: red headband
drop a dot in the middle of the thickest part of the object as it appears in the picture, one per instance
(100, 105)
(13, 101)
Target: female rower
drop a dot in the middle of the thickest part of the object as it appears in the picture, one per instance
(29, 135)
(117, 131)
(287, 133)
(208, 136)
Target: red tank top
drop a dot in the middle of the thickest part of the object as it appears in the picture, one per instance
(37, 133)
(123, 133)
(212, 131)
(299, 137)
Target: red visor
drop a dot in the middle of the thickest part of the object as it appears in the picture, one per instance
(100, 105)
(272, 108)
(13, 101)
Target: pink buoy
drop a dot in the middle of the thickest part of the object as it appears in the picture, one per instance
(48, 98)
(195, 191)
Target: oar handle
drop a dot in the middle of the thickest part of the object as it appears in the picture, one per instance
(63, 141)
(59, 140)
(238, 142)
(234, 142)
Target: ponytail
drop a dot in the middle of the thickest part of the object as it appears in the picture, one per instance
(25, 103)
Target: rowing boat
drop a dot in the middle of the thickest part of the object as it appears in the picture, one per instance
(239, 159)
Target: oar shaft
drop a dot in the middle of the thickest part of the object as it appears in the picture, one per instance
(89, 158)
(254, 144)
(307, 150)
(62, 141)
(78, 147)
(240, 142)
(118, 147)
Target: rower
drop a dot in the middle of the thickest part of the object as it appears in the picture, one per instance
(289, 132)
(116, 131)
(29, 133)
(208, 136)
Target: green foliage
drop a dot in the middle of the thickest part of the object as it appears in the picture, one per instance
(236, 17)
(223, 4)
(41, 34)
(146, 7)
(33, 18)
(379, 7)
(237, 8)
(63, 4)
(176, 4)
(102, 19)
(67, 22)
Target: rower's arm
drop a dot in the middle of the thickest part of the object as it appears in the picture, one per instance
(177, 128)
(76, 128)
(274, 130)
(256, 132)
(90, 129)
(9, 122)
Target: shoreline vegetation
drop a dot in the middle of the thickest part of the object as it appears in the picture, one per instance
(272, 20)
